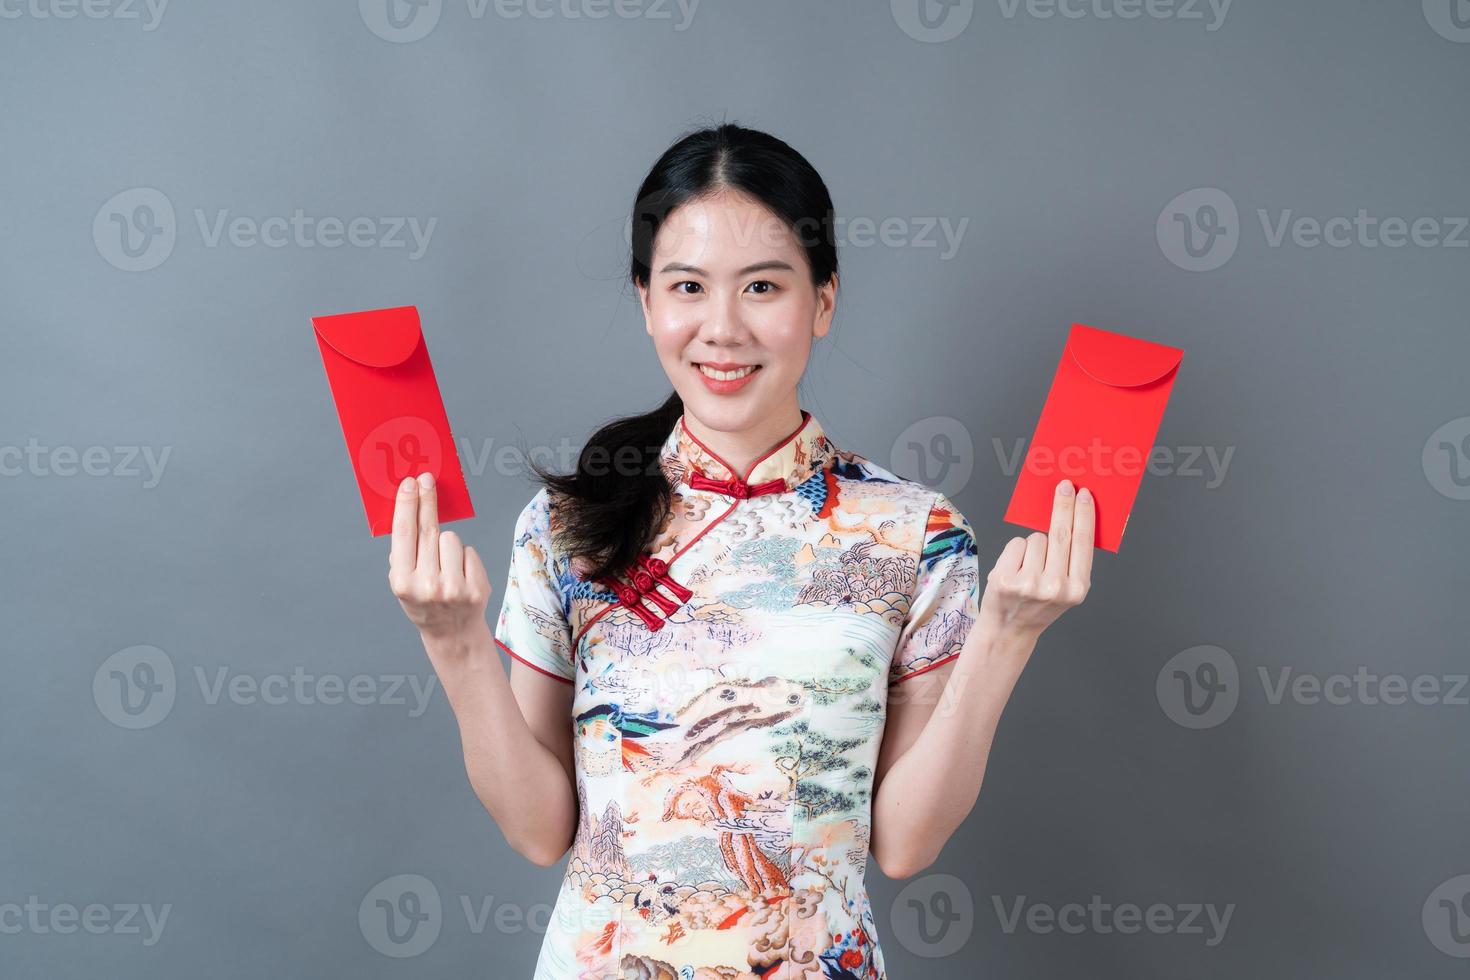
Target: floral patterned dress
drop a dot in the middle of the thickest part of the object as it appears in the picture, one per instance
(729, 697)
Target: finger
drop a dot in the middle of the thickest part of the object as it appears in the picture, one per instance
(1083, 531)
(428, 552)
(451, 556)
(474, 572)
(1035, 558)
(1009, 562)
(1059, 538)
(405, 525)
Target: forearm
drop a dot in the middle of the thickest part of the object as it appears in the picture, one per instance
(521, 782)
(929, 790)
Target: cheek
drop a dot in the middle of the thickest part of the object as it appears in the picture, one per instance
(672, 331)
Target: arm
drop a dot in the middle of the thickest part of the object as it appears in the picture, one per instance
(514, 731)
(951, 712)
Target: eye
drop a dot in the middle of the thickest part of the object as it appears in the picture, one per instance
(765, 282)
(686, 282)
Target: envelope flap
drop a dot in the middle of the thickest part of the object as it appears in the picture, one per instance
(1119, 360)
(378, 338)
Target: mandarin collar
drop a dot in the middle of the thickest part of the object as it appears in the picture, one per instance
(793, 459)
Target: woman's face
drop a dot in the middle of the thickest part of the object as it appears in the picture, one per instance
(730, 288)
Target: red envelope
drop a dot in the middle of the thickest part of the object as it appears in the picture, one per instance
(392, 416)
(1097, 429)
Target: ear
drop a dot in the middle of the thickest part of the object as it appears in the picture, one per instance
(643, 301)
(826, 306)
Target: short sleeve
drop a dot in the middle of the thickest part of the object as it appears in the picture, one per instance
(533, 626)
(946, 599)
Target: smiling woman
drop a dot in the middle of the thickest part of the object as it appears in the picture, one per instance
(728, 646)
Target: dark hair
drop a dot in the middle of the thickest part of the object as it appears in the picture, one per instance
(610, 507)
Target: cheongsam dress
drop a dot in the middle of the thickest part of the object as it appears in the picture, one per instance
(729, 696)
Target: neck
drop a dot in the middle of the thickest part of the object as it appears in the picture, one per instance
(743, 448)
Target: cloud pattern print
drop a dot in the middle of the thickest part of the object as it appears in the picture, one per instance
(729, 698)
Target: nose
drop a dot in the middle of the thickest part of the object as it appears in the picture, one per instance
(723, 323)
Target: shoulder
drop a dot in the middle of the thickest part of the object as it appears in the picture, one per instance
(536, 529)
(905, 498)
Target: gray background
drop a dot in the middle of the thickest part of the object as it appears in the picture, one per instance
(1334, 542)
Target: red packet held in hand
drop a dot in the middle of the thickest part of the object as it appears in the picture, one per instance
(1097, 429)
(392, 416)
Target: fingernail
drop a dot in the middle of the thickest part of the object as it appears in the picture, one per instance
(1084, 493)
(406, 485)
(426, 480)
(1065, 487)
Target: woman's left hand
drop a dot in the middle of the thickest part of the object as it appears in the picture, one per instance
(1039, 577)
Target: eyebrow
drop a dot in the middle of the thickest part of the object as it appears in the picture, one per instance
(757, 267)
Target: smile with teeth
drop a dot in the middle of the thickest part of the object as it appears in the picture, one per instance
(710, 372)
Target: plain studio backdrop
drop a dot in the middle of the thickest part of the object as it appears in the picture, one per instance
(222, 750)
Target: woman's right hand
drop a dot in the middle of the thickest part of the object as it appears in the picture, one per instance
(440, 582)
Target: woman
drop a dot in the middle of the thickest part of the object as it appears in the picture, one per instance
(738, 650)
